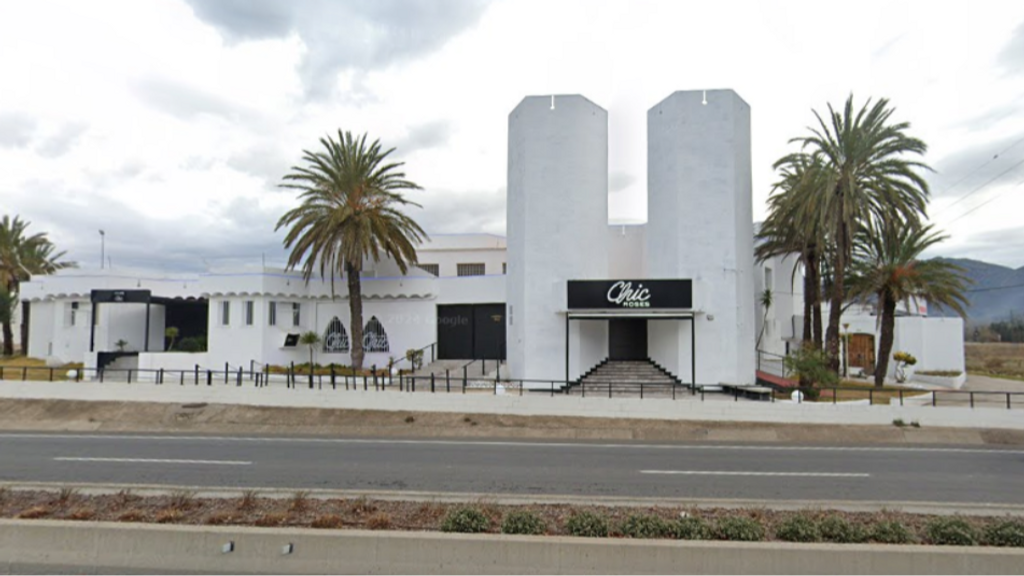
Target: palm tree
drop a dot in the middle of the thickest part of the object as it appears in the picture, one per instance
(887, 267)
(867, 175)
(793, 227)
(311, 340)
(766, 304)
(22, 256)
(351, 197)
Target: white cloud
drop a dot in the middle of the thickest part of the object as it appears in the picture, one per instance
(188, 121)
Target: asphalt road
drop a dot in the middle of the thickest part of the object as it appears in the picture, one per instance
(786, 472)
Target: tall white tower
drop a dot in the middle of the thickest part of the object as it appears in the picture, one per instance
(700, 227)
(557, 230)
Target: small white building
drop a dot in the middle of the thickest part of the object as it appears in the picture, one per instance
(936, 342)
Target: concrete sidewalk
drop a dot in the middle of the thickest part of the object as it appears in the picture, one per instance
(684, 409)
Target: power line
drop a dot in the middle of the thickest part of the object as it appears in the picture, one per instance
(989, 201)
(986, 163)
(996, 288)
(989, 181)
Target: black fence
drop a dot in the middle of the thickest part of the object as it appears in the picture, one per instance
(463, 382)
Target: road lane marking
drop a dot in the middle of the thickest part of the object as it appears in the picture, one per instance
(743, 473)
(513, 444)
(154, 461)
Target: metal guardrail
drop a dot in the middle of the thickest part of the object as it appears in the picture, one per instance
(336, 379)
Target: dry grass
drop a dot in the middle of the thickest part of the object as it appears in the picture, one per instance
(379, 521)
(1003, 360)
(82, 514)
(35, 512)
(37, 371)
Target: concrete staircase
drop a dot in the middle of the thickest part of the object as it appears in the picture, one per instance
(627, 378)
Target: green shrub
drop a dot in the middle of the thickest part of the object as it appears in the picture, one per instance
(835, 528)
(890, 532)
(951, 532)
(1005, 533)
(587, 525)
(799, 528)
(692, 528)
(739, 528)
(465, 519)
(645, 526)
(192, 344)
(522, 522)
(811, 365)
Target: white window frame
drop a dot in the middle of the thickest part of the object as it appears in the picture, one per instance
(249, 312)
(272, 313)
(432, 269)
(225, 313)
(296, 314)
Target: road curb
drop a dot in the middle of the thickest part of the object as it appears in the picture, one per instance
(990, 509)
(89, 546)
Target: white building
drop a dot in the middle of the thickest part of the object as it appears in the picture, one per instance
(567, 294)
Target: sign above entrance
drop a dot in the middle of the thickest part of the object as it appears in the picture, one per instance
(137, 296)
(630, 294)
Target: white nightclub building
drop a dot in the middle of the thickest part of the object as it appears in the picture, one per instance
(567, 294)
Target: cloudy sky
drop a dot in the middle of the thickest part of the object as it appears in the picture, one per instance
(169, 123)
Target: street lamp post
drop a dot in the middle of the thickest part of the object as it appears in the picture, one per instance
(103, 248)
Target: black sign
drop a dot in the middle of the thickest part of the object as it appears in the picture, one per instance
(630, 294)
(291, 340)
(136, 296)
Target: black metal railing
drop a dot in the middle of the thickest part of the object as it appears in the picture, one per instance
(334, 378)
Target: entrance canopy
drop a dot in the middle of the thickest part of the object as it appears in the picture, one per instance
(627, 305)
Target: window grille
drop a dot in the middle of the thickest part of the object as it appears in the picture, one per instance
(475, 269)
(225, 313)
(432, 269)
(335, 337)
(296, 313)
(375, 339)
(248, 312)
(272, 314)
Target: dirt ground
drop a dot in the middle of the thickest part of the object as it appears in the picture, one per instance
(71, 415)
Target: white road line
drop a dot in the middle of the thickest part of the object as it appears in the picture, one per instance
(516, 444)
(154, 461)
(740, 473)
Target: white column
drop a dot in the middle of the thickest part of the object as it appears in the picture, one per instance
(557, 224)
(700, 224)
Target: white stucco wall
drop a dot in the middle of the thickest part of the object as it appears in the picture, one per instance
(627, 251)
(700, 224)
(557, 224)
(450, 250)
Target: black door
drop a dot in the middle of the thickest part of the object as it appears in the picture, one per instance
(489, 331)
(471, 332)
(454, 332)
(627, 339)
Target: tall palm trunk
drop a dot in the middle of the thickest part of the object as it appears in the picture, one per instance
(886, 340)
(8, 339)
(355, 304)
(835, 310)
(814, 293)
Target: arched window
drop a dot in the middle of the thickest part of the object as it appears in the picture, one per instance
(335, 337)
(375, 339)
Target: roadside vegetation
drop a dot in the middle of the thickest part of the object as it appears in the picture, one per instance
(998, 359)
(303, 510)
